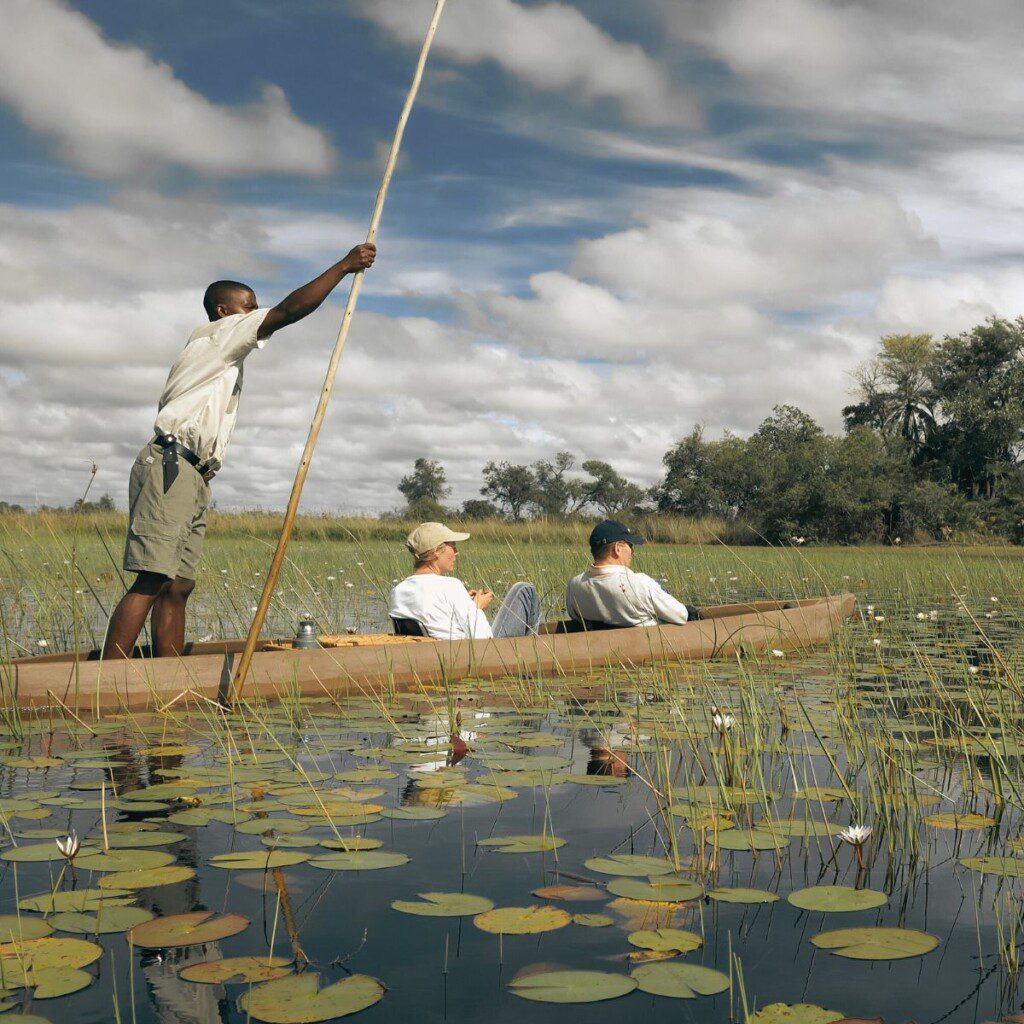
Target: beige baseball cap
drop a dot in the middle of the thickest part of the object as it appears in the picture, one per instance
(428, 537)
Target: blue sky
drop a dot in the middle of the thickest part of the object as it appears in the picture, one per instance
(611, 222)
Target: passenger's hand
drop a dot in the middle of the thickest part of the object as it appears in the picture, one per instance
(482, 598)
(361, 257)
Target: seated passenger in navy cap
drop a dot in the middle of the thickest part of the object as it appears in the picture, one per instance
(610, 595)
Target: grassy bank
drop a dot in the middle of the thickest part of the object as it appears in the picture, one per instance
(266, 525)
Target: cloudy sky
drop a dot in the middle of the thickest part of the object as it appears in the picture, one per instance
(611, 221)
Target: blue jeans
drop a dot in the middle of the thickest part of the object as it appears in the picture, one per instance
(519, 614)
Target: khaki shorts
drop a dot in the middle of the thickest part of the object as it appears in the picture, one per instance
(165, 531)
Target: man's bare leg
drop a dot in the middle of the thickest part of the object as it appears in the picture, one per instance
(130, 614)
(169, 617)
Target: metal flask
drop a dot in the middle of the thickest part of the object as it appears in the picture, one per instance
(305, 638)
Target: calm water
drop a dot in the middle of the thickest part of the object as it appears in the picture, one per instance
(447, 969)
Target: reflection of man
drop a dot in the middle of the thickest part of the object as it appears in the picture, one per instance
(168, 492)
(607, 753)
(610, 595)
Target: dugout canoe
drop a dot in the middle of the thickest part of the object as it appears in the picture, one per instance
(84, 683)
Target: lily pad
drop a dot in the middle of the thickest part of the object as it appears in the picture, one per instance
(352, 843)
(444, 904)
(960, 822)
(572, 986)
(523, 844)
(14, 928)
(40, 954)
(596, 780)
(152, 879)
(629, 864)
(1005, 867)
(186, 929)
(876, 943)
(745, 839)
(663, 940)
(359, 860)
(283, 826)
(679, 981)
(123, 860)
(522, 920)
(140, 839)
(75, 901)
(570, 892)
(837, 899)
(298, 999)
(237, 970)
(413, 813)
(33, 853)
(53, 982)
(106, 921)
(592, 920)
(654, 890)
(258, 860)
(198, 817)
(797, 1013)
(741, 895)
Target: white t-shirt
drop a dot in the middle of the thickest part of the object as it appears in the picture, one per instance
(618, 596)
(442, 604)
(200, 400)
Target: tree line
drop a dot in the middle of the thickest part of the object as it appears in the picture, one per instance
(932, 448)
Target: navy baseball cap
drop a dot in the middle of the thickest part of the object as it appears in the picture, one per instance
(609, 531)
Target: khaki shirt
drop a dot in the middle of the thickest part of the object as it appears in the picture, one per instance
(200, 400)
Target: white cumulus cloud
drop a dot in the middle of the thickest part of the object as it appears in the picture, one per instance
(552, 46)
(114, 110)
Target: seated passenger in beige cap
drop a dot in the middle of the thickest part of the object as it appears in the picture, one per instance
(441, 604)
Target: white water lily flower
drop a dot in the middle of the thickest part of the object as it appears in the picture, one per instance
(973, 669)
(994, 600)
(933, 615)
(776, 653)
(871, 609)
(722, 722)
(70, 846)
(43, 643)
(879, 618)
(921, 616)
(856, 835)
(877, 642)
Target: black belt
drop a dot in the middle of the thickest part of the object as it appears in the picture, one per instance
(173, 450)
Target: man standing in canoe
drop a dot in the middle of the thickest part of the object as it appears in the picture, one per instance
(168, 492)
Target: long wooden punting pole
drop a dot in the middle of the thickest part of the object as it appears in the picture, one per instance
(332, 369)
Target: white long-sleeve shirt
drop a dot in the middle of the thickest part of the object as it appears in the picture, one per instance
(442, 604)
(617, 596)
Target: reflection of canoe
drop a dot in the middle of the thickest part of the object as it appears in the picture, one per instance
(206, 667)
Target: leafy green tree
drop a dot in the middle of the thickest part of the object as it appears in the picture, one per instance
(475, 508)
(897, 396)
(787, 465)
(425, 490)
(555, 493)
(510, 487)
(978, 377)
(608, 492)
(705, 478)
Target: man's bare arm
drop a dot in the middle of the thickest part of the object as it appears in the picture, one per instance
(301, 302)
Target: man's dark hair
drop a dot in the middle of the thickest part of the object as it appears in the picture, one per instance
(600, 551)
(218, 292)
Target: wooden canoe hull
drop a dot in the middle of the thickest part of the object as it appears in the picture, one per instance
(86, 684)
